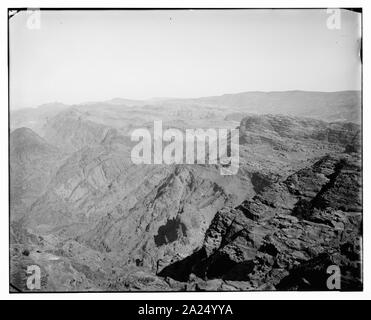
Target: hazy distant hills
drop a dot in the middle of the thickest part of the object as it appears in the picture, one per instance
(34, 118)
(328, 106)
(333, 106)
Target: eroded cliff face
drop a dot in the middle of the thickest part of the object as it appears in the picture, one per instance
(32, 162)
(102, 223)
(169, 222)
(288, 235)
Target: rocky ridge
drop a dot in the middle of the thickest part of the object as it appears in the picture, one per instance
(102, 223)
(287, 236)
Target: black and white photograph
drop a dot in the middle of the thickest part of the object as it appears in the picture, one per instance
(185, 150)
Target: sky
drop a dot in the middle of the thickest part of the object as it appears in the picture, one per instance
(78, 56)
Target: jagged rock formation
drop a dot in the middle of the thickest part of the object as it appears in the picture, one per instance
(92, 220)
(277, 129)
(288, 235)
(275, 146)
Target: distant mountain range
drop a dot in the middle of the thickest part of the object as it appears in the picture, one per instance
(339, 105)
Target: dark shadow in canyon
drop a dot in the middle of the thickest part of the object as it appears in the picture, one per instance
(170, 232)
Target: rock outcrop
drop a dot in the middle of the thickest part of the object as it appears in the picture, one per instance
(283, 131)
(287, 236)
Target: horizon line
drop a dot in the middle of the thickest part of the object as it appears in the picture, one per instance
(176, 98)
